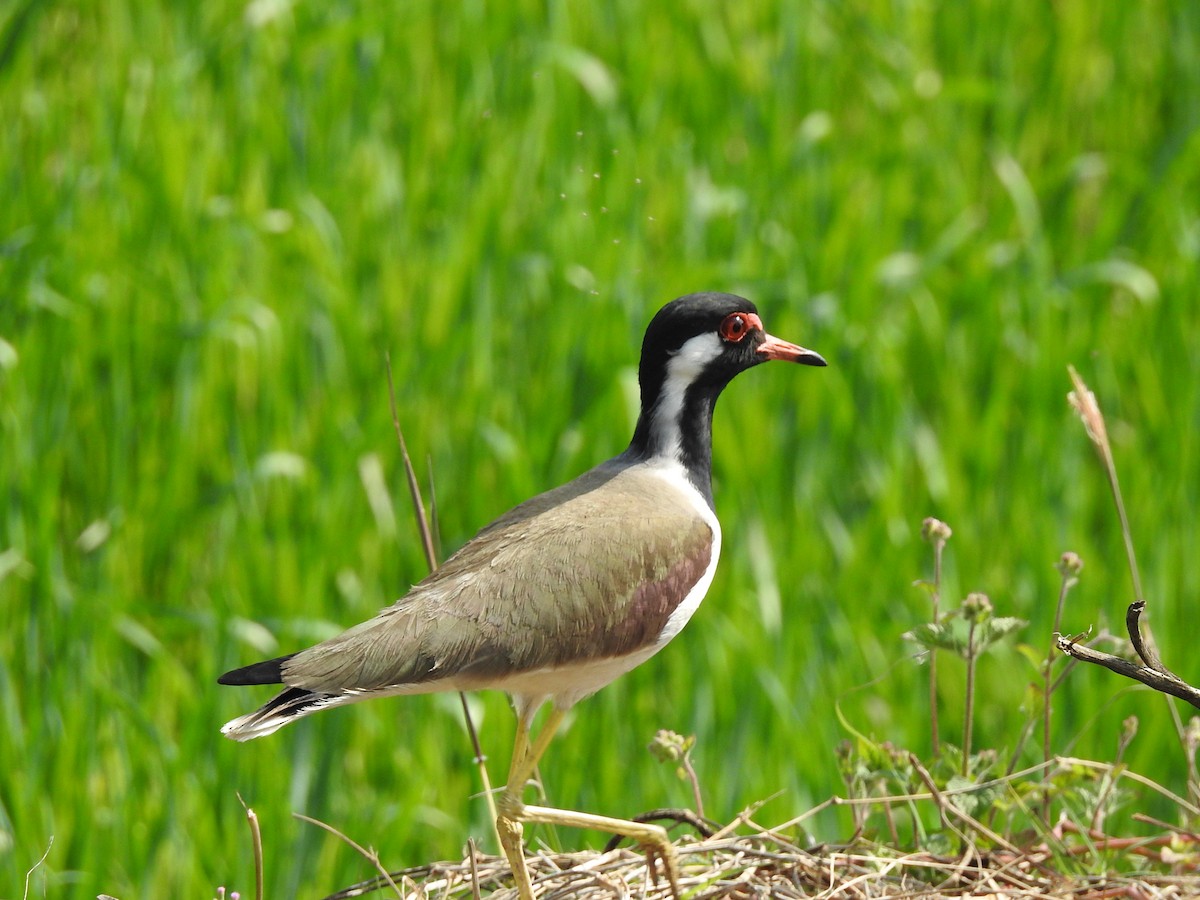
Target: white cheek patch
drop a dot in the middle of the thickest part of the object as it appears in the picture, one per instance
(696, 353)
(683, 368)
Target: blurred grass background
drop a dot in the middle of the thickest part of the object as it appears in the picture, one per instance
(218, 218)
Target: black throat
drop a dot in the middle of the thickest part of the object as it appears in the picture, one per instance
(677, 428)
(688, 356)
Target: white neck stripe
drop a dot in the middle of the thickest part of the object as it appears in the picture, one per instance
(683, 368)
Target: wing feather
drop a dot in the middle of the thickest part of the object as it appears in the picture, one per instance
(573, 574)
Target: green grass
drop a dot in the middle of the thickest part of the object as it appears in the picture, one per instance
(214, 227)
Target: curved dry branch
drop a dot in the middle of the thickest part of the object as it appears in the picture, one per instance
(1151, 672)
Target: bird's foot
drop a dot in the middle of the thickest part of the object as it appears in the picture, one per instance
(663, 852)
(511, 832)
(652, 838)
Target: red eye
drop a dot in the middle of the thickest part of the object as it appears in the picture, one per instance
(734, 327)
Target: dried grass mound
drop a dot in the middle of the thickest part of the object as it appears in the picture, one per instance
(762, 863)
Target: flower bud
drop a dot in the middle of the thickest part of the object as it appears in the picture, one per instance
(935, 531)
(977, 607)
(1070, 565)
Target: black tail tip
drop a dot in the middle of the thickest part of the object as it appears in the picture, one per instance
(268, 671)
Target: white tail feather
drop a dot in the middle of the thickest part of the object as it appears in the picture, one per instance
(292, 704)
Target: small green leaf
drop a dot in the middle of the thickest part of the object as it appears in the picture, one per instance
(1034, 656)
(936, 637)
(994, 630)
(927, 586)
(967, 802)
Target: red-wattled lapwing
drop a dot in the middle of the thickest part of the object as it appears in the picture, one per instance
(567, 591)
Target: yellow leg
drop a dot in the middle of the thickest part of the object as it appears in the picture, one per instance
(513, 811)
(508, 825)
(522, 768)
(524, 761)
(521, 744)
(510, 839)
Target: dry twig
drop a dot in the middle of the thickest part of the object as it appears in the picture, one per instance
(1151, 672)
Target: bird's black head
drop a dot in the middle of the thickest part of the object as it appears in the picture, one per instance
(707, 339)
(693, 347)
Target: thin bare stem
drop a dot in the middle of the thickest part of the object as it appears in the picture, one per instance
(427, 541)
(968, 715)
(256, 844)
(1047, 668)
(1069, 567)
(414, 489)
(937, 533)
(36, 866)
(434, 524)
(473, 852)
(1192, 736)
(933, 700)
(695, 781)
(1084, 402)
(1128, 731)
(949, 809)
(976, 609)
(1019, 747)
(1110, 468)
(370, 855)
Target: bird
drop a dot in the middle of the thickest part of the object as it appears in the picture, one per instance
(567, 591)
